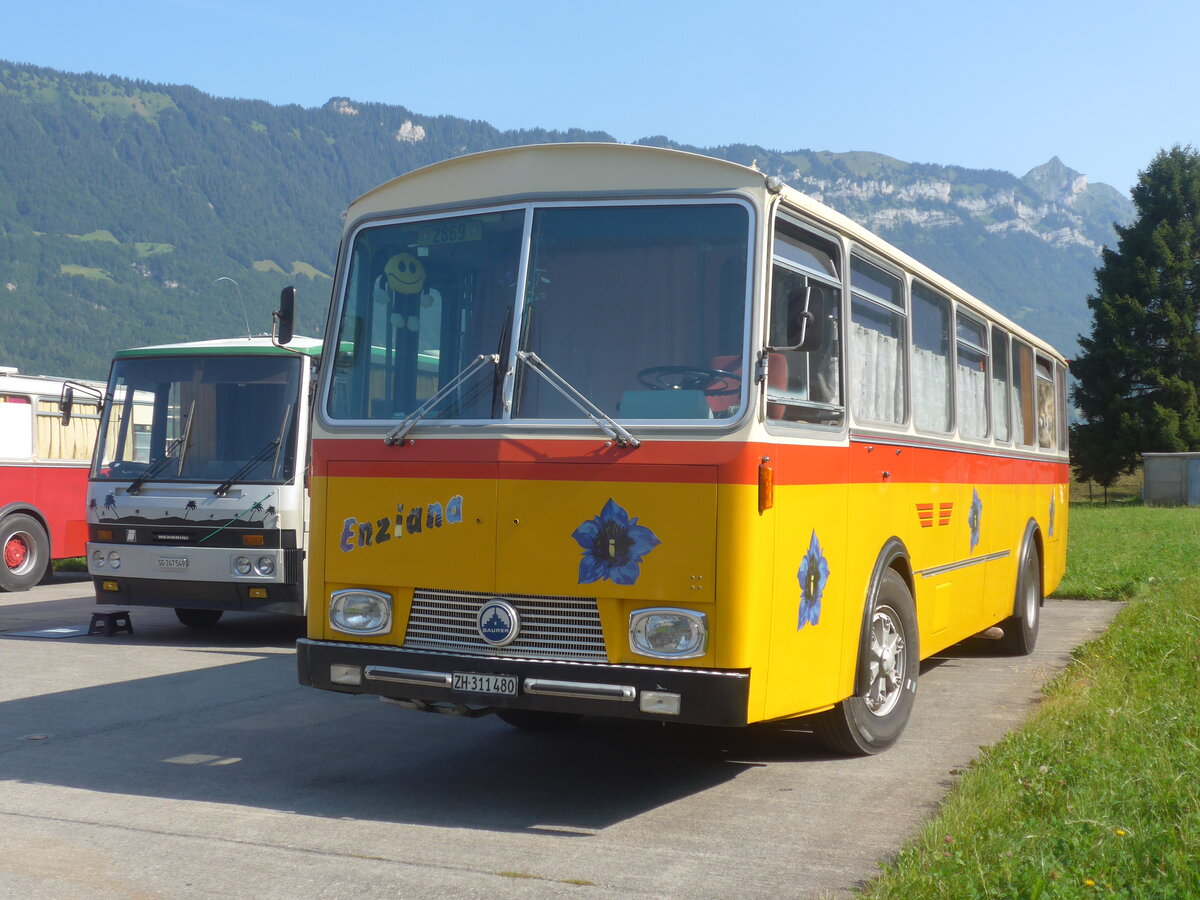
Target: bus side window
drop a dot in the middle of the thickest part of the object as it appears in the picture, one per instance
(931, 359)
(804, 381)
(1001, 405)
(970, 378)
(1060, 377)
(16, 426)
(74, 440)
(1046, 407)
(877, 343)
(1026, 420)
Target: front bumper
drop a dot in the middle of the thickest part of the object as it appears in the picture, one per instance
(287, 599)
(707, 696)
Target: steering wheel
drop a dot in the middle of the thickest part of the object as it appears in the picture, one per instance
(713, 382)
(126, 468)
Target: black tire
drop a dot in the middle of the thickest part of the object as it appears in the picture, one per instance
(24, 552)
(198, 618)
(538, 720)
(889, 663)
(1021, 628)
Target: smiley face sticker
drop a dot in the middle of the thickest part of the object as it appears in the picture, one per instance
(405, 274)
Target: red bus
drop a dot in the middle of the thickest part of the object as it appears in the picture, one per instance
(43, 475)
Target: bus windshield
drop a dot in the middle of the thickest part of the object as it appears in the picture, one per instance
(641, 309)
(200, 419)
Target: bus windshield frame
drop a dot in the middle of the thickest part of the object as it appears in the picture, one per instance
(642, 307)
(200, 419)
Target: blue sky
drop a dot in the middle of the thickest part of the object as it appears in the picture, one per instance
(1103, 85)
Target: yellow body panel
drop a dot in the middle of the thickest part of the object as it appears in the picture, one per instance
(717, 554)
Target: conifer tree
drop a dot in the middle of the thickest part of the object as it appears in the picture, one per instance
(1138, 376)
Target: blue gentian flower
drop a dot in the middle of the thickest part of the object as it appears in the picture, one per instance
(974, 518)
(613, 546)
(813, 575)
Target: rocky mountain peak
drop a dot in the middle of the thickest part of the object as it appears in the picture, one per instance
(1055, 182)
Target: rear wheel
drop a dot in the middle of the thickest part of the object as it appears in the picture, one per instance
(872, 719)
(198, 618)
(1021, 629)
(538, 720)
(24, 552)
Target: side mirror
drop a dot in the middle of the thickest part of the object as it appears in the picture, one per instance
(285, 316)
(65, 404)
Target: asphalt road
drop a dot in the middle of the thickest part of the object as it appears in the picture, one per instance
(171, 763)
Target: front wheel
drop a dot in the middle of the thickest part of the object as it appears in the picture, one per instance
(26, 552)
(888, 665)
(198, 618)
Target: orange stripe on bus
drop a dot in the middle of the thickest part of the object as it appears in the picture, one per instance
(685, 462)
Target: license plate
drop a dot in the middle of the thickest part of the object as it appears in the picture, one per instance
(172, 562)
(471, 683)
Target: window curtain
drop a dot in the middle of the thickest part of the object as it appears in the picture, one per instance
(971, 385)
(879, 369)
(931, 390)
(1000, 408)
(76, 440)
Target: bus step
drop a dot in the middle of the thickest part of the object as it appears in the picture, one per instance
(110, 623)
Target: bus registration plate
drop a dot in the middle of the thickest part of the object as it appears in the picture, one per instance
(473, 683)
(172, 562)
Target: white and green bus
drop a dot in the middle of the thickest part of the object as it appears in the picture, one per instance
(197, 498)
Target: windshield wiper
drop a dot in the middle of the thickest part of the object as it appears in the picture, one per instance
(396, 435)
(180, 443)
(258, 457)
(272, 446)
(606, 422)
(153, 469)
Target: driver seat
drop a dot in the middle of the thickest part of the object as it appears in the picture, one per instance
(777, 378)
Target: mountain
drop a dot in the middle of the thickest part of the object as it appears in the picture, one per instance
(1027, 246)
(135, 213)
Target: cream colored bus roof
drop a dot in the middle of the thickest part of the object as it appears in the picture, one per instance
(546, 169)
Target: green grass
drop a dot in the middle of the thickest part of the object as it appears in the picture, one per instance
(1114, 553)
(90, 272)
(1099, 793)
(1126, 490)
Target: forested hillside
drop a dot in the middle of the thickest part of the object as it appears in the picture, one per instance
(135, 213)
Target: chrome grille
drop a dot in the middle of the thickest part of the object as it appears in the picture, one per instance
(551, 627)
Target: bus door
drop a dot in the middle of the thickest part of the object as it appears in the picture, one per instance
(806, 409)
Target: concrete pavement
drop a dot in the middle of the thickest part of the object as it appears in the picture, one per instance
(174, 763)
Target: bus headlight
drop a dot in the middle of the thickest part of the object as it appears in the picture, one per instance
(265, 565)
(114, 559)
(242, 565)
(98, 559)
(668, 633)
(360, 612)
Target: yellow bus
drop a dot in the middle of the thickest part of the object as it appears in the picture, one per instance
(621, 431)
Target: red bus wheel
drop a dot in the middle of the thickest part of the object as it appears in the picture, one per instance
(26, 553)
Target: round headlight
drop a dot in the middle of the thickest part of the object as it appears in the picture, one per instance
(360, 612)
(668, 633)
(114, 559)
(98, 559)
(242, 565)
(265, 565)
